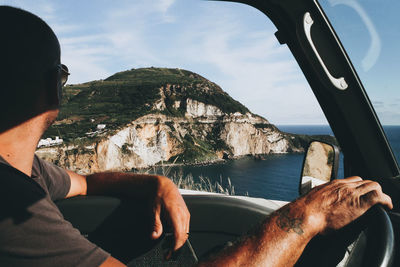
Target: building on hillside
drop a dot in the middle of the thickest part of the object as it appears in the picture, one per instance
(49, 142)
(100, 128)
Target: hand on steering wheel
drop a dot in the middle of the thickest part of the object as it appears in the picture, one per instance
(371, 234)
(336, 204)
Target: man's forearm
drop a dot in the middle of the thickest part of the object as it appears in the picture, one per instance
(278, 241)
(123, 184)
(282, 237)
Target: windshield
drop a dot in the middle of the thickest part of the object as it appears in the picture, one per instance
(370, 32)
(105, 122)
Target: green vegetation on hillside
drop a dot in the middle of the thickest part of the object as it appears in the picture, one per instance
(128, 95)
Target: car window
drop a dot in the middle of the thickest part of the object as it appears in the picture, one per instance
(238, 41)
(230, 44)
(370, 33)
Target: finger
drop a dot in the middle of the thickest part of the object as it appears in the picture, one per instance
(374, 197)
(352, 179)
(188, 226)
(180, 226)
(367, 187)
(344, 182)
(187, 222)
(157, 228)
(387, 201)
(180, 239)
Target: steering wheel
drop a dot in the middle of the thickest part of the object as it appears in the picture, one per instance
(366, 242)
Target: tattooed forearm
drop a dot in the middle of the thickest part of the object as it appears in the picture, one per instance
(287, 223)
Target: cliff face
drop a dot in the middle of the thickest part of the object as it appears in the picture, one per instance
(204, 134)
(157, 115)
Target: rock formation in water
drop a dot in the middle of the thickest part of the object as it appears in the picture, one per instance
(154, 116)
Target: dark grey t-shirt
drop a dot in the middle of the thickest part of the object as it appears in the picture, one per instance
(33, 231)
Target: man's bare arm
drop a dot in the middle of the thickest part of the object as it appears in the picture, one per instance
(159, 191)
(78, 185)
(282, 237)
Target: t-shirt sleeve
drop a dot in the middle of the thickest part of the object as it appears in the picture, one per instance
(57, 179)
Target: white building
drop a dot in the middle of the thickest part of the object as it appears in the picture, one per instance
(50, 142)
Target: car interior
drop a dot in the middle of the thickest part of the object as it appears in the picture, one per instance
(123, 226)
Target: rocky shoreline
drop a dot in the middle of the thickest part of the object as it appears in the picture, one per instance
(156, 138)
(179, 117)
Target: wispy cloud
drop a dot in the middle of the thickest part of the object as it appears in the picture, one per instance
(254, 68)
(116, 42)
(388, 110)
(378, 104)
(164, 6)
(212, 39)
(45, 8)
(249, 64)
(389, 117)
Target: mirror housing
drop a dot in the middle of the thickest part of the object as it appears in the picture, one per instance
(320, 165)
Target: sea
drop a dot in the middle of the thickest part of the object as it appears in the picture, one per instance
(276, 176)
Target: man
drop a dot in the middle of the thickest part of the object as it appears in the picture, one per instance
(32, 229)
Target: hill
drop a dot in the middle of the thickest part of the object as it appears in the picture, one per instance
(128, 95)
(144, 117)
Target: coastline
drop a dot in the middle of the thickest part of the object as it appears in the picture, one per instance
(257, 157)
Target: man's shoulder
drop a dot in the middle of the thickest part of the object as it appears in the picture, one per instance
(17, 191)
(12, 180)
(55, 178)
(46, 169)
(39, 165)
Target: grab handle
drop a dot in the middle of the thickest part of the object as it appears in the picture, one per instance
(339, 83)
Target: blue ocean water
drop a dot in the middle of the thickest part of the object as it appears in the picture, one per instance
(276, 177)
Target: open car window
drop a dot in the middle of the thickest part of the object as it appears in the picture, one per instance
(231, 44)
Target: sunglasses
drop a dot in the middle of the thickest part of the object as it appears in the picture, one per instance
(64, 74)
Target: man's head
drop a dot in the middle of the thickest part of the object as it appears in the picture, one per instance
(30, 70)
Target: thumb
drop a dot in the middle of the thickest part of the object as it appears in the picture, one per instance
(157, 228)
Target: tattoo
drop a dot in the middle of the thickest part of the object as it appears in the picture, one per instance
(287, 223)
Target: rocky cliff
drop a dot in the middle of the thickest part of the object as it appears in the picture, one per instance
(180, 122)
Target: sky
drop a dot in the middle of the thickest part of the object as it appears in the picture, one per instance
(230, 44)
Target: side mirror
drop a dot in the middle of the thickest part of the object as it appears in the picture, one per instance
(320, 166)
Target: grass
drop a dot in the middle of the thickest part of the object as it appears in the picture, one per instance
(204, 184)
(188, 182)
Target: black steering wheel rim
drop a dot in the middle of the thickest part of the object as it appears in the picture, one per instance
(371, 239)
(379, 250)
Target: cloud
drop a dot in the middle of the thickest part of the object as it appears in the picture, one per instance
(212, 39)
(107, 40)
(389, 117)
(387, 111)
(116, 42)
(44, 8)
(86, 57)
(378, 104)
(62, 28)
(253, 67)
(164, 5)
(142, 11)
